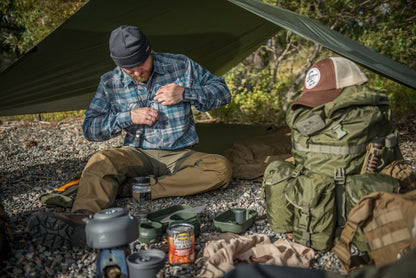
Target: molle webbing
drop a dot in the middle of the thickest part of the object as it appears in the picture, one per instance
(389, 215)
(339, 150)
(389, 141)
(389, 239)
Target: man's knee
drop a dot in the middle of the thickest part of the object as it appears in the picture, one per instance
(104, 155)
(113, 154)
(113, 160)
(221, 165)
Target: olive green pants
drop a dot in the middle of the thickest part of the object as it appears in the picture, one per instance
(179, 173)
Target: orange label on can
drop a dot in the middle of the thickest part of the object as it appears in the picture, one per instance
(181, 245)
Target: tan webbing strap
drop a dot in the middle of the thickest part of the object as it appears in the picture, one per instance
(339, 150)
(356, 219)
(388, 216)
(389, 239)
(348, 232)
(343, 247)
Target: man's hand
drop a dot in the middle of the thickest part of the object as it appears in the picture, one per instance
(169, 94)
(144, 116)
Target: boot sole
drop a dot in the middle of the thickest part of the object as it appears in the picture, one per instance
(55, 233)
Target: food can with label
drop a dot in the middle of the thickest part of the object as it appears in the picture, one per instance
(181, 238)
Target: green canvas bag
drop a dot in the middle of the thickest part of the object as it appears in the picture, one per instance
(304, 203)
(300, 202)
(313, 198)
(329, 144)
(279, 211)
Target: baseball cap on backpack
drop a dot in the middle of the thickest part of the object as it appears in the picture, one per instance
(326, 79)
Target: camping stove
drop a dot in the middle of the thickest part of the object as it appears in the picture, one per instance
(110, 231)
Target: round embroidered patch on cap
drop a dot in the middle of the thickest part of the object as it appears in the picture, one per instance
(312, 78)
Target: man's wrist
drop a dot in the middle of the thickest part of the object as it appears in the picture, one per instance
(124, 119)
(187, 95)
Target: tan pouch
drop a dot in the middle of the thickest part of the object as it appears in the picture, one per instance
(401, 171)
(386, 220)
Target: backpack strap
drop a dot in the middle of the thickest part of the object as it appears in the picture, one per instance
(389, 141)
(343, 249)
(356, 219)
(304, 224)
(340, 150)
(340, 181)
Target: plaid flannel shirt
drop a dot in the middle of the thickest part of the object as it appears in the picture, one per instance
(117, 94)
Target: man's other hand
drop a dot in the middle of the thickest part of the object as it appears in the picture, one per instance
(144, 116)
(169, 94)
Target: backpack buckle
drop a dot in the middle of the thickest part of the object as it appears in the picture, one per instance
(340, 132)
(305, 216)
(297, 172)
(339, 176)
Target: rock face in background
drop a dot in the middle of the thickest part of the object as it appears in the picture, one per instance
(37, 157)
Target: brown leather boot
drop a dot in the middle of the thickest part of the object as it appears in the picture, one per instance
(58, 230)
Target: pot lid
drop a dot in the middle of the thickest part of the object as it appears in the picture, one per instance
(110, 213)
(146, 259)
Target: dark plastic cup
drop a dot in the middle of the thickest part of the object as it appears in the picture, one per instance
(150, 232)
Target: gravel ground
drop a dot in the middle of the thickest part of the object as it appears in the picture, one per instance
(37, 157)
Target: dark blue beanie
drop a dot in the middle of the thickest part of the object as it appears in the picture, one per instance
(129, 47)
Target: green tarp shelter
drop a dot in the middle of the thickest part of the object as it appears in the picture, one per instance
(62, 72)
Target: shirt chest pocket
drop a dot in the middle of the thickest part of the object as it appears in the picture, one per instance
(183, 81)
(128, 101)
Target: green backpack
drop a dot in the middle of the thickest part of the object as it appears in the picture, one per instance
(330, 145)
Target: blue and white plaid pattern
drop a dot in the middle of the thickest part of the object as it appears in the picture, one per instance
(118, 93)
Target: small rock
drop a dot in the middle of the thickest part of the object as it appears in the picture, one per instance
(29, 256)
(17, 271)
(50, 271)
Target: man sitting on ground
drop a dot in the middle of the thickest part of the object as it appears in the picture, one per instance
(148, 95)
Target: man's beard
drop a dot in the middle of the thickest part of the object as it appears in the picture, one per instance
(143, 78)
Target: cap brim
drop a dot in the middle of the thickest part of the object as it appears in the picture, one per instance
(314, 99)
